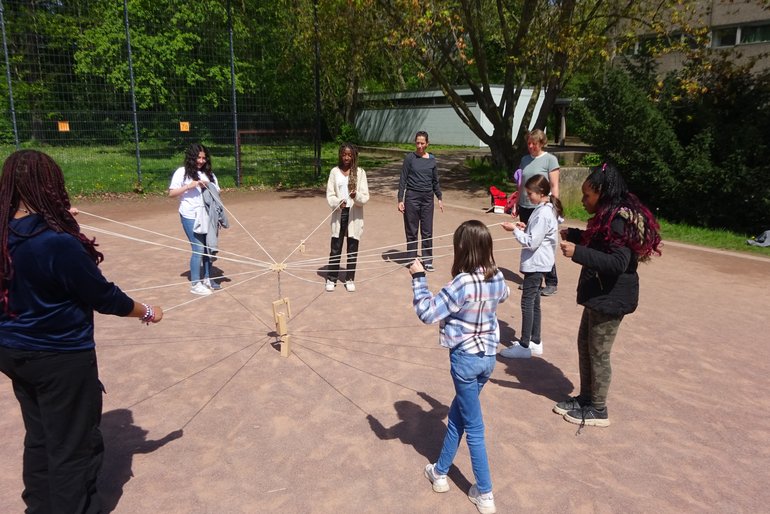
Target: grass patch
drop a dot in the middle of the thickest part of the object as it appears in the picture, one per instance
(98, 170)
(711, 238)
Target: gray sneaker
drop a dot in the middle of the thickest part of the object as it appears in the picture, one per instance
(548, 291)
(588, 416)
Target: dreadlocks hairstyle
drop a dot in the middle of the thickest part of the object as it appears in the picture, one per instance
(190, 164)
(353, 176)
(642, 232)
(541, 185)
(34, 178)
(473, 249)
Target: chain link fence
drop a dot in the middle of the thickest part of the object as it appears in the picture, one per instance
(115, 90)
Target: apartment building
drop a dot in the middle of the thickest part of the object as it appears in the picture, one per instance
(741, 27)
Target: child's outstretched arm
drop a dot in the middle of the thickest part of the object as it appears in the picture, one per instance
(430, 308)
(534, 235)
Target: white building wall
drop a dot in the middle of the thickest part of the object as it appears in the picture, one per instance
(399, 124)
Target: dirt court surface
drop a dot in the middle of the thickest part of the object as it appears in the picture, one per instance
(204, 415)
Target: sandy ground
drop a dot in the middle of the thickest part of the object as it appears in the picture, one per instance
(204, 415)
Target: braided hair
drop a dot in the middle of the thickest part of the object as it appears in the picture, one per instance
(353, 175)
(32, 177)
(191, 165)
(641, 233)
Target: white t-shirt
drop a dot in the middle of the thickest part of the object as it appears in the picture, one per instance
(192, 199)
(342, 185)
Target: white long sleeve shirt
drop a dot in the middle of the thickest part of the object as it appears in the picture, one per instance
(539, 240)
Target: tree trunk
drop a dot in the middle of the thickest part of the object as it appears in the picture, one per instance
(502, 153)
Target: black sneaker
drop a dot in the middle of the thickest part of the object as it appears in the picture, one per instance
(571, 403)
(588, 416)
(428, 267)
(548, 291)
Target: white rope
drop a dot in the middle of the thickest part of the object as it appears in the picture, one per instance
(249, 233)
(215, 294)
(153, 243)
(374, 251)
(187, 282)
(311, 233)
(163, 235)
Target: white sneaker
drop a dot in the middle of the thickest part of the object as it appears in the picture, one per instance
(536, 349)
(330, 285)
(484, 502)
(214, 286)
(516, 351)
(350, 286)
(440, 482)
(199, 288)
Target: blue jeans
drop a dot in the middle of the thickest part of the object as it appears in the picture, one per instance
(200, 253)
(469, 373)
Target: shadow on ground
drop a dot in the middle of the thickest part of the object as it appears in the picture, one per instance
(536, 375)
(123, 440)
(421, 429)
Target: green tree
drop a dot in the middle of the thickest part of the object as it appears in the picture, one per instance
(355, 55)
(173, 53)
(518, 44)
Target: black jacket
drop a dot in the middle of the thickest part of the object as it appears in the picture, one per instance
(608, 282)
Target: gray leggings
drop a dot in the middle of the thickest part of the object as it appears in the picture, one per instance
(595, 337)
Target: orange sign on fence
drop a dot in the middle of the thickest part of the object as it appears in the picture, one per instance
(184, 126)
(64, 126)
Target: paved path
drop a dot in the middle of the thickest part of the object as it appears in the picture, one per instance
(203, 415)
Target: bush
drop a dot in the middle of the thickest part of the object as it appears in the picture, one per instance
(348, 134)
(700, 159)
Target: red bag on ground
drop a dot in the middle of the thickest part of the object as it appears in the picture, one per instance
(498, 197)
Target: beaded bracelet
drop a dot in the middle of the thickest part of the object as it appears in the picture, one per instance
(149, 314)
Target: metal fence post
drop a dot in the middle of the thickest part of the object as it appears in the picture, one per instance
(234, 97)
(133, 95)
(317, 69)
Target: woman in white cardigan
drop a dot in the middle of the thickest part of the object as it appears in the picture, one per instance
(346, 192)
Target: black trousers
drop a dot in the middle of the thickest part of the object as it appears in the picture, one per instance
(551, 279)
(61, 403)
(336, 250)
(418, 215)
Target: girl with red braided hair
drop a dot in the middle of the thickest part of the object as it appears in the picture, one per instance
(50, 286)
(621, 233)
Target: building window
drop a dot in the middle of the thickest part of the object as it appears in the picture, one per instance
(725, 37)
(755, 34)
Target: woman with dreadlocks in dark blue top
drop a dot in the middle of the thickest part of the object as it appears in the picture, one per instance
(621, 233)
(50, 286)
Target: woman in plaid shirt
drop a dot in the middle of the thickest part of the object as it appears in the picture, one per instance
(466, 309)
